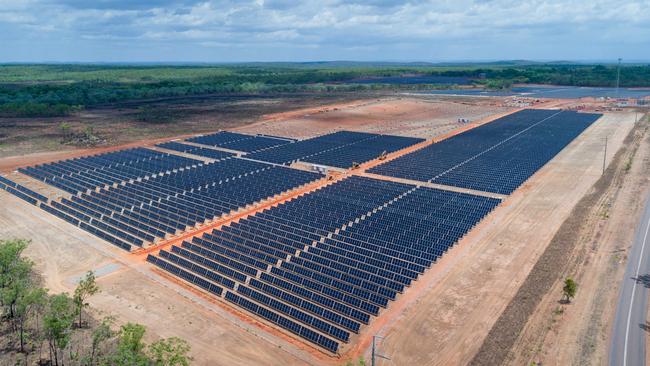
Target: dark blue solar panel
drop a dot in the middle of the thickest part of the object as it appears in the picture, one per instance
(496, 157)
(332, 259)
(240, 142)
(195, 150)
(339, 149)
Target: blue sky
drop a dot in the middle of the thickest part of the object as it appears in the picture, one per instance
(283, 30)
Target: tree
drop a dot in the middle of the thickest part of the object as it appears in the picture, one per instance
(86, 288)
(130, 347)
(101, 334)
(27, 302)
(66, 130)
(170, 352)
(570, 289)
(360, 362)
(14, 271)
(57, 324)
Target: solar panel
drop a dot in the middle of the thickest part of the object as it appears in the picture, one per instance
(496, 157)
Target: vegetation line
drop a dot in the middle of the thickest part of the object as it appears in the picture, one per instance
(59, 90)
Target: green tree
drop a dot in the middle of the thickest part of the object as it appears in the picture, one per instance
(570, 288)
(66, 130)
(360, 362)
(100, 335)
(87, 287)
(14, 271)
(57, 324)
(19, 295)
(170, 352)
(130, 347)
(27, 302)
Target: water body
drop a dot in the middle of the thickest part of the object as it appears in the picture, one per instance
(560, 92)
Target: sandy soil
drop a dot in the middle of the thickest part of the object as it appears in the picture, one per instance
(442, 319)
(135, 291)
(132, 292)
(463, 295)
(407, 116)
(578, 334)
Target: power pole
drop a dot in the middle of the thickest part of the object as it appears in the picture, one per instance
(374, 351)
(618, 76)
(605, 155)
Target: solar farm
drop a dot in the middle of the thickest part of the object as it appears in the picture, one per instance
(314, 240)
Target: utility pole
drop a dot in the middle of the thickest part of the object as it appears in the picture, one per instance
(605, 155)
(374, 352)
(618, 76)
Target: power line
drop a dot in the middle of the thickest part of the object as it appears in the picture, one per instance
(618, 76)
(374, 351)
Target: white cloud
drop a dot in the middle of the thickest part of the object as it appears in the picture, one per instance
(346, 29)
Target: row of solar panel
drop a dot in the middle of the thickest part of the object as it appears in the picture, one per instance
(361, 152)
(239, 142)
(21, 191)
(339, 149)
(496, 157)
(195, 150)
(505, 167)
(145, 209)
(325, 262)
(83, 174)
(65, 213)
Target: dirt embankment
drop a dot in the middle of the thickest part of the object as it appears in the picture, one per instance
(558, 260)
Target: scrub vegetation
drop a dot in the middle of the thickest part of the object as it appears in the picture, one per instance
(59, 90)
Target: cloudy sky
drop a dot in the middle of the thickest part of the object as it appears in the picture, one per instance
(285, 30)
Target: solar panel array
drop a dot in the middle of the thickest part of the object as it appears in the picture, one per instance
(88, 173)
(322, 265)
(496, 157)
(195, 150)
(21, 192)
(239, 142)
(127, 198)
(340, 149)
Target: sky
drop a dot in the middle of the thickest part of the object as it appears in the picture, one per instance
(322, 30)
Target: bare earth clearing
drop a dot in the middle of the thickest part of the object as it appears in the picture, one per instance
(416, 117)
(464, 294)
(558, 334)
(132, 291)
(443, 319)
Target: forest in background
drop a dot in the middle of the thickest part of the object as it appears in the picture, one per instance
(60, 89)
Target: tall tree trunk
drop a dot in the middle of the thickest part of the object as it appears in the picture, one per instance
(22, 336)
(50, 349)
(39, 337)
(54, 352)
